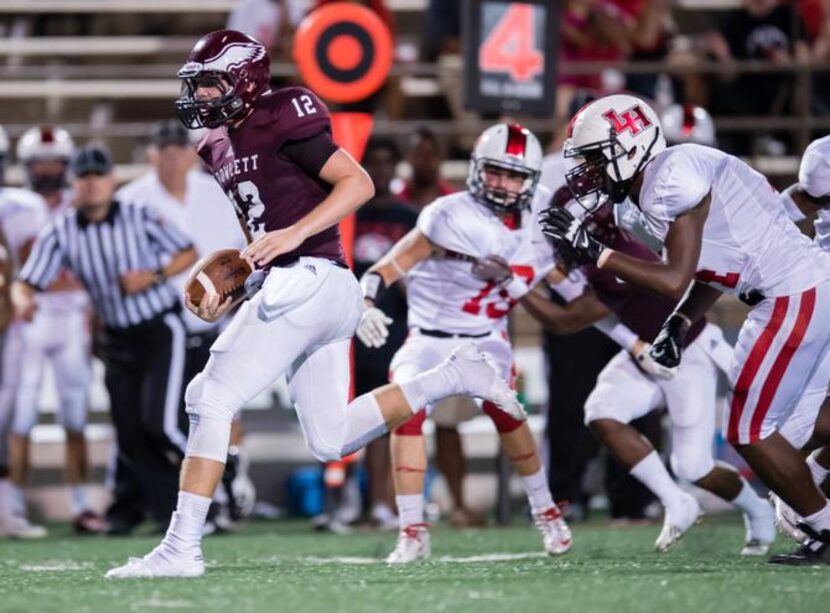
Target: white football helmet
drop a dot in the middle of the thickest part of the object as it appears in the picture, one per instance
(512, 147)
(613, 138)
(686, 123)
(814, 170)
(45, 143)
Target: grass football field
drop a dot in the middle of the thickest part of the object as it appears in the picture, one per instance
(286, 567)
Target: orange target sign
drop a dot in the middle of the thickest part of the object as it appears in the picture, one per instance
(343, 51)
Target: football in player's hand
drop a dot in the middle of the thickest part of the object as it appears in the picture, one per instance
(222, 272)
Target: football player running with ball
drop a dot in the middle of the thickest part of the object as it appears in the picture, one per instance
(471, 257)
(272, 152)
(723, 231)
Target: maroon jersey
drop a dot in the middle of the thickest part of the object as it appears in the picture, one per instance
(641, 310)
(256, 166)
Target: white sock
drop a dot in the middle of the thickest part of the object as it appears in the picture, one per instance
(537, 490)
(425, 389)
(410, 510)
(18, 500)
(817, 470)
(653, 474)
(78, 499)
(749, 501)
(364, 423)
(5, 498)
(820, 520)
(185, 531)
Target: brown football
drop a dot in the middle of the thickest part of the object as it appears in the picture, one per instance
(223, 272)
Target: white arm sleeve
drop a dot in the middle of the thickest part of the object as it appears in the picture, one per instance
(617, 331)
(571, 287)
(790, 207)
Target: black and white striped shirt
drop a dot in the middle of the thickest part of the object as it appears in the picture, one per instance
(130, 237)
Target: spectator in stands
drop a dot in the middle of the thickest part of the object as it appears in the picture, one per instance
(816, 17)
(591, 31)
(271, 22)
(425, 156)
(380, 223)
(650, 27)
(763, 30)
(193, 202)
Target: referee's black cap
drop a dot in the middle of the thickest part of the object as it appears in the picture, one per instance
(92, 158)
(170, 132)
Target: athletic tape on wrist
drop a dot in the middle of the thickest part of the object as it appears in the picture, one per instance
(373, 286)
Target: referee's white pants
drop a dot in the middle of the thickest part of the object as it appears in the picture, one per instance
(300, 324)
(624, 393)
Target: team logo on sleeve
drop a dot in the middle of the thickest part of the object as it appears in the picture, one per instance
(633, 120)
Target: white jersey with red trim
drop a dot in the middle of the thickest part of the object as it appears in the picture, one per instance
(814, 177)
(749, 243)
(22, 216)
(59, 302)
(442, 292)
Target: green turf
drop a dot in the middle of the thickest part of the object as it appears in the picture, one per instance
(286, 567)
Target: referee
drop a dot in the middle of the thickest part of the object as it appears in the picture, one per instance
(122, 254)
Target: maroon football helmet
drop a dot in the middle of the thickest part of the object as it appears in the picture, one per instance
(230, 61)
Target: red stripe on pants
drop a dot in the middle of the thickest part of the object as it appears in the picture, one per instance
(779, 367)
(752, 365)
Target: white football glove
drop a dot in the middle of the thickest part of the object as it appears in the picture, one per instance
(373, 328)
(649, 366)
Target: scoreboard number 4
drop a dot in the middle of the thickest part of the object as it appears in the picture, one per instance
(510, 46)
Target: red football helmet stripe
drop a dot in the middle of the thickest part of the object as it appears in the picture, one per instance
(47, 135)
(516, 140)
(688, 119)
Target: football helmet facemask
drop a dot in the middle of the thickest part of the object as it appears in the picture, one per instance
(228, 61)
(511, 148)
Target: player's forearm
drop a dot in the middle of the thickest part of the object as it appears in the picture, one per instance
(413, 248)
(671, 281)
(349, 193)
(697, 301)
(180, 262)
(553, 317)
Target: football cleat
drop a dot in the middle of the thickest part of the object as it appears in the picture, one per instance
(479, 378)
(813, 551)
(556, 535)
(413, 544)
(679, 518)
(786, 519)
(17, 527)
(155, 565)
(760, 531)
(89, 522)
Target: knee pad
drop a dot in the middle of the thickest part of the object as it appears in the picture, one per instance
(504, 423)
(413, 427)
(691, 466)
(210, 407)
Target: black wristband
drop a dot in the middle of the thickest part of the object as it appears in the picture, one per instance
(159, 277)
(373, 285)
